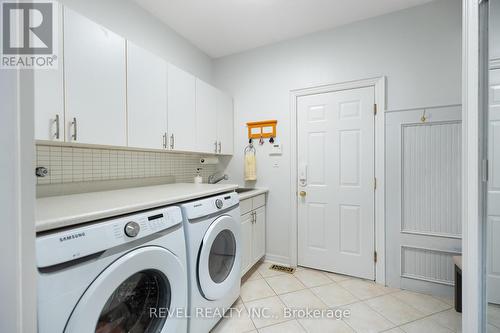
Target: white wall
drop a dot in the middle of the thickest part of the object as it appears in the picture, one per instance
(129, 20)
(418, 49)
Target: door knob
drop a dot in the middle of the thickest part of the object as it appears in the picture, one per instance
(302, 193)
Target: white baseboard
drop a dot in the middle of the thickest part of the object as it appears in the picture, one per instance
(276, 259)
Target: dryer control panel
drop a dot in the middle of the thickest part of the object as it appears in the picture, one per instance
(209, 206)
(73, 243)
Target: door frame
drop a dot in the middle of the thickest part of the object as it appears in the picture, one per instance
(378, 83)
(473, 286)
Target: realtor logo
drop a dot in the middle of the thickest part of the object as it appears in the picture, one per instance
(29, 34)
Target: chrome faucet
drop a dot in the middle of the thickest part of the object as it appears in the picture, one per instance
(214, 179)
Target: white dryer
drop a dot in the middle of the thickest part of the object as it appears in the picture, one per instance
(212, 228)
(125, 274)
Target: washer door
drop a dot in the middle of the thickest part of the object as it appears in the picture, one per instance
(129, 295)
(219, 258)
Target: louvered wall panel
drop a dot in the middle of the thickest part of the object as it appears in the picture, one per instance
(431, 175)
(427, 265)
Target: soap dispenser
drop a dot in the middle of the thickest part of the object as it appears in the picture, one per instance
(198, 179)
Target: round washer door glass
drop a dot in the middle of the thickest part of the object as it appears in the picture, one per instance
(131, 294)
(127, 308)
(222, 256)
(219, 258)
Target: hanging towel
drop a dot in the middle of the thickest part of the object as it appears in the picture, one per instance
(250, 166)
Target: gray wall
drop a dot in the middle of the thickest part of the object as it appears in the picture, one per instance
(418, 50)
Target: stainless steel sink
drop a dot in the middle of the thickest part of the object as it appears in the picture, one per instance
(243, 190)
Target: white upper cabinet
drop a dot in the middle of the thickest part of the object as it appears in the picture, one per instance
(109, 91)
(225, 124)
(95, 82)
(49, 97)
(206, 118)
(146, 98)
(181, 109)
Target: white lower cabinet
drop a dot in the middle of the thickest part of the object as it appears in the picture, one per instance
(259, 234)
(253, 231)
(246, 242)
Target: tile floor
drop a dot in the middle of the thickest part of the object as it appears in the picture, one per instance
(373, 308)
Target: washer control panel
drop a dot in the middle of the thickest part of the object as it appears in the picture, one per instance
(73, 243)
(219, 203)
(132, 229)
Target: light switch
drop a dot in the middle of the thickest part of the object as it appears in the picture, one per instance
(276, 149)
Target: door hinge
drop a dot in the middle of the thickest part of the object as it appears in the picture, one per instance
(374, 109)
(375, 256)
(375, 183)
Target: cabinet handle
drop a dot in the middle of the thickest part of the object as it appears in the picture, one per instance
(74, 136)
(220, 146)
(164, 140)
(172, 141)
(215, 144)
(56, 121)
(254, 217)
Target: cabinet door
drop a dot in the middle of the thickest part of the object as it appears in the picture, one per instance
(225, 123)
(259, 234)
(181, 109)
(95, 82)
(246, 242)
(146, 98)
(206, 118)
(49, 97)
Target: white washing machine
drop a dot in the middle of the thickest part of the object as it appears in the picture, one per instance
(212, 228)
(125, 274)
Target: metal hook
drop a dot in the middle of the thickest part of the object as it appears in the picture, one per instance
(423, 118)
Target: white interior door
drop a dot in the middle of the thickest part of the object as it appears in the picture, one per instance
(336, 228)
(146, 98)
(423, 198)
(492, 242)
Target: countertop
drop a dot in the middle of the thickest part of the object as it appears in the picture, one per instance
(254, 192)
(63, 211)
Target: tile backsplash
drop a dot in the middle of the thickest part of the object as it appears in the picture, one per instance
(71, 165)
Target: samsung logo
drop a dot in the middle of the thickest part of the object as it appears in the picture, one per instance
(72, 236)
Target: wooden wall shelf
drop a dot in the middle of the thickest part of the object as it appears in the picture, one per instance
(262, 129)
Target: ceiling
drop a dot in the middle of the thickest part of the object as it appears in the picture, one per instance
(224, 27)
